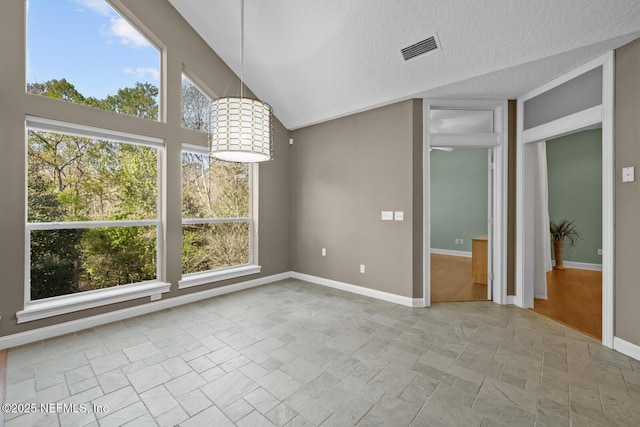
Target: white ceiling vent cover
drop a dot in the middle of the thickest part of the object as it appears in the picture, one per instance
(427, 45)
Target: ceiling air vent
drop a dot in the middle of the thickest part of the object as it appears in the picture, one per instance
(427, 45)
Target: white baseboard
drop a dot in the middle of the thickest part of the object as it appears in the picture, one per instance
(626, 348)
(511, 299)
(34, 335)
(385, 296)
(580, 265)
(451, 252)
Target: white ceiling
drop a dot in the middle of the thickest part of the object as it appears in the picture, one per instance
(314, 60)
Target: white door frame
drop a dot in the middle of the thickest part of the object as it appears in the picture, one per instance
(601, 114)
(499, 200)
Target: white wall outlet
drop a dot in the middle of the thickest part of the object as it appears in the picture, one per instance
(398, 215)
(362, 268)
(156, 297)
(599, 251)
(324, 251)
(462, 241)
(387, 215)
(457, 241)
(628, 174)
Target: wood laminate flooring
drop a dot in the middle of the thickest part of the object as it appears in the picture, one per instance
(451, 280)
(574, 297)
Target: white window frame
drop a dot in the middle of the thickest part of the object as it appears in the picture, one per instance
(252, 267)
(54, 306)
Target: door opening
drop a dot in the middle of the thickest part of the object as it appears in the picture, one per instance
(452, 127)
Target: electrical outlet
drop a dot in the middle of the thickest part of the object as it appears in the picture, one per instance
(324, 251)
(599, 251)
(462, 241)
(457, 241)
(362, 268)
(387, 215)
(398, 215)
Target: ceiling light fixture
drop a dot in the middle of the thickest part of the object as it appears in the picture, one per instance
(242, 127)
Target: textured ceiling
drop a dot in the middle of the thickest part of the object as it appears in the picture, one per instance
(314, 60)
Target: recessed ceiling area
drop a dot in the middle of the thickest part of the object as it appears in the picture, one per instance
(318, 60)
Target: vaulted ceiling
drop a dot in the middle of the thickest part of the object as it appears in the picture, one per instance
(314, 60)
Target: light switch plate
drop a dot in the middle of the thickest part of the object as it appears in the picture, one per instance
(628, 174)
(387, 215)
(398, 215)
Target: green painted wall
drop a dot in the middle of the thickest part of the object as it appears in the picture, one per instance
(574, 165)
(459, 197)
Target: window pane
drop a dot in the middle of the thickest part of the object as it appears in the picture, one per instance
(69, 261)
(73, 178)
(212, 246)
(83, 51)
(213, 188)
(461, 121)
(196, 106)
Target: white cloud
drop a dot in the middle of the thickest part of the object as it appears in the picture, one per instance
(128, 35)
(141, 72)
(100, 6)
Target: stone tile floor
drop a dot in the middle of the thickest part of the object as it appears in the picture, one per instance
(297, 354)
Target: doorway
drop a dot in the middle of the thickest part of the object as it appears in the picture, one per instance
(452, 125)
(579, 100)
(574, 175)
(461, 194)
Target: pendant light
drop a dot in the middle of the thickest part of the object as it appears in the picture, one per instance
(242, 127)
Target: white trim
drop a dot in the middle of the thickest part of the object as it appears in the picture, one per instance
(57, 126)
(195, 149)
(608, 199)
(55, 306)
(626, 348)
(354, 289)
(213, 220)
(482, 140)
(91, 224)
(426, 204)
(511, 299)
(580, 265)
(577, 121)
(451, 252)
(564, 125)
(34, 335)
(211, 276)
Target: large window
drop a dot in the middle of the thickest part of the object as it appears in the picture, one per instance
(216, 211)
(93, 218)
(83, 51)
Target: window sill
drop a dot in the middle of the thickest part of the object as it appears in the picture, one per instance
(84, 300)
(197, 279)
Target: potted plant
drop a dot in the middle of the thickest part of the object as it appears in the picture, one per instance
(561, 230)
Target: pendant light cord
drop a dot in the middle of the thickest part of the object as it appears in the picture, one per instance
(242, 49)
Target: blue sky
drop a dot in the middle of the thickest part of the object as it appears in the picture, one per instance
(89, 44)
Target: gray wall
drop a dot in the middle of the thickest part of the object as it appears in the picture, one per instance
(577, 94)
(344, 173)
(459, 197)
(181, 45)
(574, 170)
(627, 153)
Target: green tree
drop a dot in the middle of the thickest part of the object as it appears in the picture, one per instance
(55, 254)
(139, 101)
